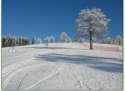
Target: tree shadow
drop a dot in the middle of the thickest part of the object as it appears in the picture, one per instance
(113, 68)
(99, 63)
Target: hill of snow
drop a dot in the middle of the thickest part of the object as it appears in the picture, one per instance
(61, 66)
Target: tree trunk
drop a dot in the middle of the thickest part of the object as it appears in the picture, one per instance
(91, 47)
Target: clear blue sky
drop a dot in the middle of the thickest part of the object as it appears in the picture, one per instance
(42, 18)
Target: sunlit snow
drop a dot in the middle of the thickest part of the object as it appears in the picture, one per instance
(61, 66)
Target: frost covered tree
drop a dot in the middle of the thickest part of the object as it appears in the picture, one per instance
(4, 41)
(52, 39)
(94, 40)
(8, 40)
(39, 41)
(100, 41)
(119, 40)
(47, 39)
(20, 41)
(14, 41)
(27, 41)
(109, 40)
(68, 40)
(113, 41)
(34, 40)
(81, 40)
(92, 23)
(63, 37)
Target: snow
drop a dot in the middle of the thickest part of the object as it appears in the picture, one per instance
(62, 66)
(105, 47)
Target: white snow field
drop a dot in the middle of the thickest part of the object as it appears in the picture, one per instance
(62, 66)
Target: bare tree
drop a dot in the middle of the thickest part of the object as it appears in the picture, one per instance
(92, 23)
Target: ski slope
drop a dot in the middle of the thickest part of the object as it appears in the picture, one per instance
(62, 66)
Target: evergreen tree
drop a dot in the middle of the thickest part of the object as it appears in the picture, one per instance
(34, 40)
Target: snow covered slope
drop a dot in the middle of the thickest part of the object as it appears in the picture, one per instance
(61, 66)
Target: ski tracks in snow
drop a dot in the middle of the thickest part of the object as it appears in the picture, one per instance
(60, 69)
(20, 71)
(28, 73)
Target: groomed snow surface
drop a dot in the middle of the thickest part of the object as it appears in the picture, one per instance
(64, 66)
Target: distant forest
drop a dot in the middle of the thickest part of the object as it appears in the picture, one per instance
(9, 40)
(14, 41)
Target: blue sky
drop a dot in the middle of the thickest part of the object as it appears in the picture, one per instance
(42, 18)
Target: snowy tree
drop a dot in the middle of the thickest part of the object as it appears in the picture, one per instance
(74, 40)
(68, 40)
(20, 41)
(52, 39)
(92, 23)
(47, 39)
(81, 40)
(28, 41)
(23, 41)
(4, 41)
(63, 37)
(14, 40)
(100, 41)
(109, 40)
(34, 40)
(39, 41)
(119, 40)
(8, 41)
(113, 41)
(94, 40)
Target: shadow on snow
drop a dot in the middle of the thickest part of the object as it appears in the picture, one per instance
(100, 63)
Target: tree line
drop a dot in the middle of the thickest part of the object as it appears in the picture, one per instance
(9, 40)
(21, 41)
(51, 39)
(117, 41)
